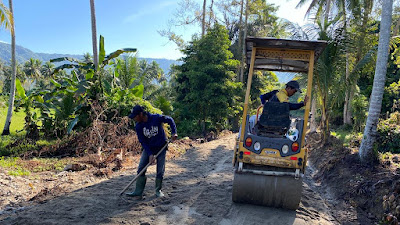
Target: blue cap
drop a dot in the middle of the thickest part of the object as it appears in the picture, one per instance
(136, 110)
(294, 84)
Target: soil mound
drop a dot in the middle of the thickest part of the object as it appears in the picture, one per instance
(371, 190)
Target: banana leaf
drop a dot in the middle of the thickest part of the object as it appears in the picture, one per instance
(61, 59)
(107, 87)
(20, 89)
(72, 124)
(89, 74)
(138, 91)
(117, 53)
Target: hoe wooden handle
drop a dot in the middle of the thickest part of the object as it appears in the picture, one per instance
(144, 169)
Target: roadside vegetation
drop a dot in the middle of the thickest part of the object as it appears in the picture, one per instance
(66, 107)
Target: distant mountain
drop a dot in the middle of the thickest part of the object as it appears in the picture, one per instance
(24, 54)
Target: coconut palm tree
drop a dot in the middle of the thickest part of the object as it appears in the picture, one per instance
(6, 130)
(375, 105)
(87, 58)
(5, 17)
(348, 9)
(47, 69)
(127, 70)
(32, 68)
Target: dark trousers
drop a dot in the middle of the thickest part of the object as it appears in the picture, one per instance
(144, 160)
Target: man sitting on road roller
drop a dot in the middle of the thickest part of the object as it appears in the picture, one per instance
(283, 95)
(275, 119)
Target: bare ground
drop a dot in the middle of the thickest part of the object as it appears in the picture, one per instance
(197, 185)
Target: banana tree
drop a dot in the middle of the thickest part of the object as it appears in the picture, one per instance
(28, 101)
(93, 76)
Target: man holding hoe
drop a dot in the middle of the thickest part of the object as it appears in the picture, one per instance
(151, 135)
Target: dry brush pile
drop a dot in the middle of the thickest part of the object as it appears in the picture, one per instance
(108, 144)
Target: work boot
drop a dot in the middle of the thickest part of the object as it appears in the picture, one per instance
(140, 183)
(158, 187)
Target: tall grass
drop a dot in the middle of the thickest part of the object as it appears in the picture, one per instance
(17, 120)
(17, 124)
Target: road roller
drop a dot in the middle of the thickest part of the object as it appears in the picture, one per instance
(270, 156)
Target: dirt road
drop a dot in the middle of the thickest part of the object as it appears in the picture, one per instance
(198, 190)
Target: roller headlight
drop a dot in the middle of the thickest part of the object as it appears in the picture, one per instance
(285, 149)
(257, 146)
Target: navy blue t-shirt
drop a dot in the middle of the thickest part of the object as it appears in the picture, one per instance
(151, 133)
(271, 96)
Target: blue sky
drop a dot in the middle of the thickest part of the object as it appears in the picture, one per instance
(54, 26)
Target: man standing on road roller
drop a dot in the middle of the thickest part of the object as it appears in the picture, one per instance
(151, 135)
(283, 95)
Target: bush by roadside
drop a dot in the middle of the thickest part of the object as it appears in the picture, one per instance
(388, 139)
(362, 188)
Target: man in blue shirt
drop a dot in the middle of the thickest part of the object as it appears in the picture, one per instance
(283, 95)
(151, 135)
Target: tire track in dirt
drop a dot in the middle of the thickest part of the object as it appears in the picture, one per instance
(198, 188)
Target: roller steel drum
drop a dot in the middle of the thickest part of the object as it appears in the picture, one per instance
(274, 191)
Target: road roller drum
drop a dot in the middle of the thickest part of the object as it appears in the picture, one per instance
(274, 191)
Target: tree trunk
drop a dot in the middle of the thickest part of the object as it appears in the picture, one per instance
(94, 34)
(240, 37)
(211, 13)
(347, 105)
(375, 105)
(313, 123)
(244, 42)
(396, 27)
(6, 130)
(203, 22)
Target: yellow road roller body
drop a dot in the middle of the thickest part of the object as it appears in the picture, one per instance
(269, 164)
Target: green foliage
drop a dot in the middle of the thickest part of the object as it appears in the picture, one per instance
(50, 164)
(8, 162)
(15, 145)
(17, 120)
(359, 111)
(126, 71)
(19, 149)
(163, 104)
(27, 101)
(7, 74)
(262, 22)
(18, 167)
(206, 90)
(121, 101)
(388, 139)
(329, 69)
(11, 164)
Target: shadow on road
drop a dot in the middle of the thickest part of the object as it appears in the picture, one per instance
(198, 186)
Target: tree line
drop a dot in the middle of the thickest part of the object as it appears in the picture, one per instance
(206, 92)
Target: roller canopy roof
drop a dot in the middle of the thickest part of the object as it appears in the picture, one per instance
(282, 54)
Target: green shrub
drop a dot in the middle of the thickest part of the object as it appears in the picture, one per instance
(359, 111)
(388, 139)
(19, 149)
(188, 127)
(12, 165)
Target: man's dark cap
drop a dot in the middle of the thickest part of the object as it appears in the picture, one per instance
(294, 84)
(136, 110)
